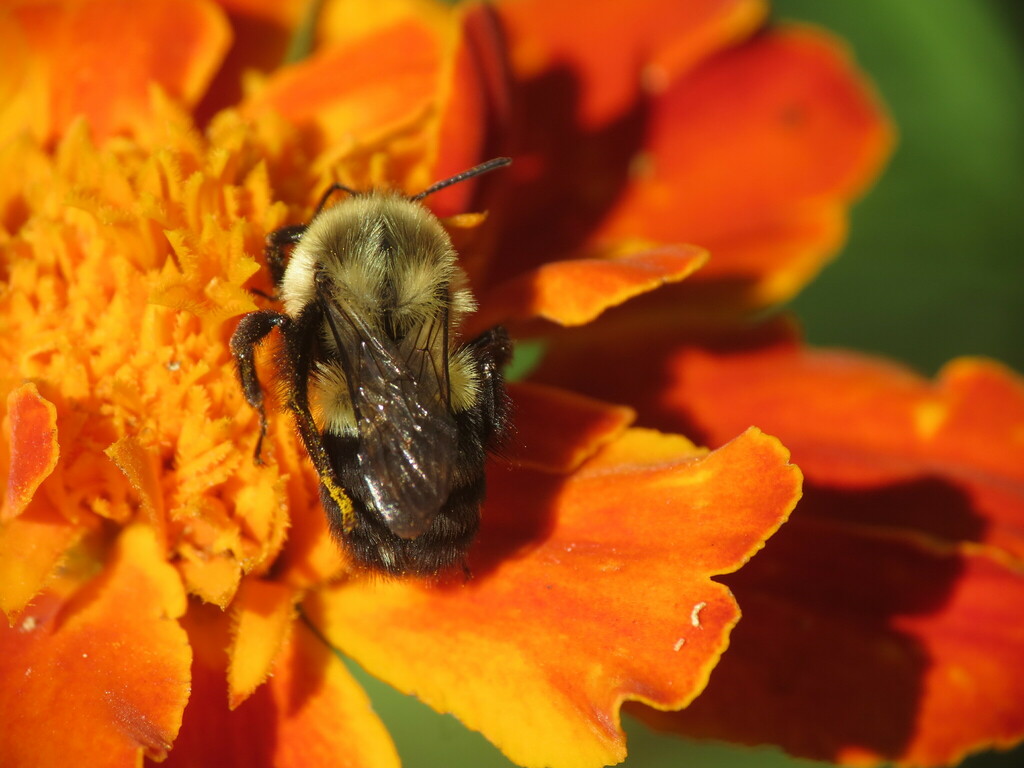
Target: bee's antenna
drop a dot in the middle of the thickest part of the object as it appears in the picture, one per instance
(490, 165)
(336, 187)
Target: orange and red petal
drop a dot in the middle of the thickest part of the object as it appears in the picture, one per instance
(407, 93)
(262, 616)
(606, 47)
(861, 649)
(309, 714)
(100, 59)
(751, 148)
(586, 590)
(770, 139)
(889, 608)
(359, 92)
(140, 463)
(474, 107)
(261, 33)
(555, 430)
(879, 444)
(32, 547)
(99, 678)
(580, 107)
(576, 291)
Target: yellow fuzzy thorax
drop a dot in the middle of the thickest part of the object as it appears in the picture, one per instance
(369, 241)
(386, 256)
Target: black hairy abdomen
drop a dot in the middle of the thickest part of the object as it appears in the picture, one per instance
(374, 546)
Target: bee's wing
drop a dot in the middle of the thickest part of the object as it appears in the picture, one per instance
(400, 393)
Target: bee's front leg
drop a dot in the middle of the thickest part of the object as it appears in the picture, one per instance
(274, 250)
(252, 330)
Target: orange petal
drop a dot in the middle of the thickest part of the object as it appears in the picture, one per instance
(31, 423)
(575, 292)
(475, 105)
(753, 154)
(362, 88)
(214, 578)
(107, 670)
(140, 465)
(875, 606)
(467, 96)
(755, 157)
(556, 430)
(343, 21)
(100, 58)
(32, 547)
(606, 47)
(586, 591)
(885, 446)
(263, 614)
(261, 31)
(862, 650)
(581, 101)
(309, 714)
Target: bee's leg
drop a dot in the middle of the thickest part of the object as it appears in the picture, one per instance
(276, 242)
(494, 346)
(299, 337)
(493, 350)
(251, 331)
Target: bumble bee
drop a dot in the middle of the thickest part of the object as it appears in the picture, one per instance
(373, 299)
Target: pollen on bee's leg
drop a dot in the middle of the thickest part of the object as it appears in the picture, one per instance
(339, 497)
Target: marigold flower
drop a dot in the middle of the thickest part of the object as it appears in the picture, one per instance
(154, 576)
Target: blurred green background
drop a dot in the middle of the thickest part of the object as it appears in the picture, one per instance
(935, 263)
(934, 267)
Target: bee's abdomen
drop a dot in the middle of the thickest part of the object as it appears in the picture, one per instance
(374, 546)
